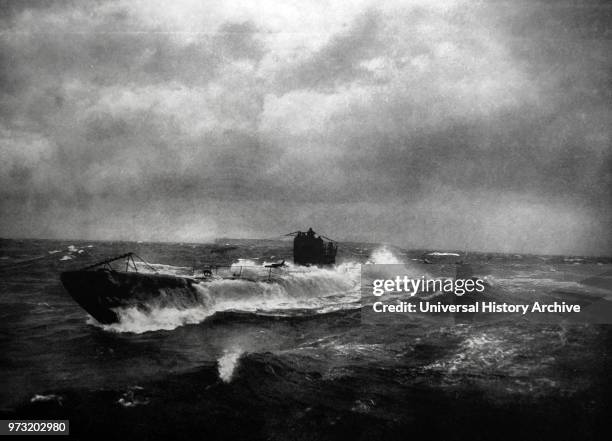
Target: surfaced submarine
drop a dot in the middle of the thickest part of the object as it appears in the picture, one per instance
(102, 290)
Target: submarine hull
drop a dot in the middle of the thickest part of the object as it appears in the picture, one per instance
(102, 292)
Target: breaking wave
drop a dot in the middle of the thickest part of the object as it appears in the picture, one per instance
(228, 362)
(298, 289)
(384, 256)
(294, 290)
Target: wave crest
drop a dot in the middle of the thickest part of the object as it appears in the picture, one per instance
(319, 290)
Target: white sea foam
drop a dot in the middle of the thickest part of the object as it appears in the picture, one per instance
(137, 321)
(476, 353)
(310, 289)
(164, 269)
(37, 398)
(133, 397)
(291, 290)
(384, 256)
(313, 289)
(228, 362)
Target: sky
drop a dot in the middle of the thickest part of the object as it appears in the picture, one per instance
(481, 125)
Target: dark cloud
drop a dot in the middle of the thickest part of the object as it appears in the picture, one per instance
(338, 61)
(445, 125)
(240, 40)
(11, 8)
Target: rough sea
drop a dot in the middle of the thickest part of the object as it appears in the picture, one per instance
(290, 358)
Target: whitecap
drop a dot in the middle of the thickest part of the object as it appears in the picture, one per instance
(37, 398)
(384, 256)
(228, 362)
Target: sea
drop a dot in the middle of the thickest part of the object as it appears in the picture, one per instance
(290, 358)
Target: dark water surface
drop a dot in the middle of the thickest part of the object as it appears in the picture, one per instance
(289, 359)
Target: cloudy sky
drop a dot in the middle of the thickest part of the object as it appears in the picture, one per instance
(443, 124)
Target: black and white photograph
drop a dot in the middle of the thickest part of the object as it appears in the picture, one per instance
(306, 219)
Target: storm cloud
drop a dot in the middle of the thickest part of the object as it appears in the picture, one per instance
(449, 124)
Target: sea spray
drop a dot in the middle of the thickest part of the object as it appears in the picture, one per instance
(137, 321)
(294, 290)
(384, 256)
(228, 362)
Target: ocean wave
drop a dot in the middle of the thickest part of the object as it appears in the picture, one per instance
(138, 321)
(295, 290)
(384, 255)
(228, 362)
(313, 289)
(37, 398)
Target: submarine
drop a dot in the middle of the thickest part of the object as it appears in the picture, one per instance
(101, 290)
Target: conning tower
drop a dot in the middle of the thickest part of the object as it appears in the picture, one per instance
(310, 249)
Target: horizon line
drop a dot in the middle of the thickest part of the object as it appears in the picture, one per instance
(278, 239)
